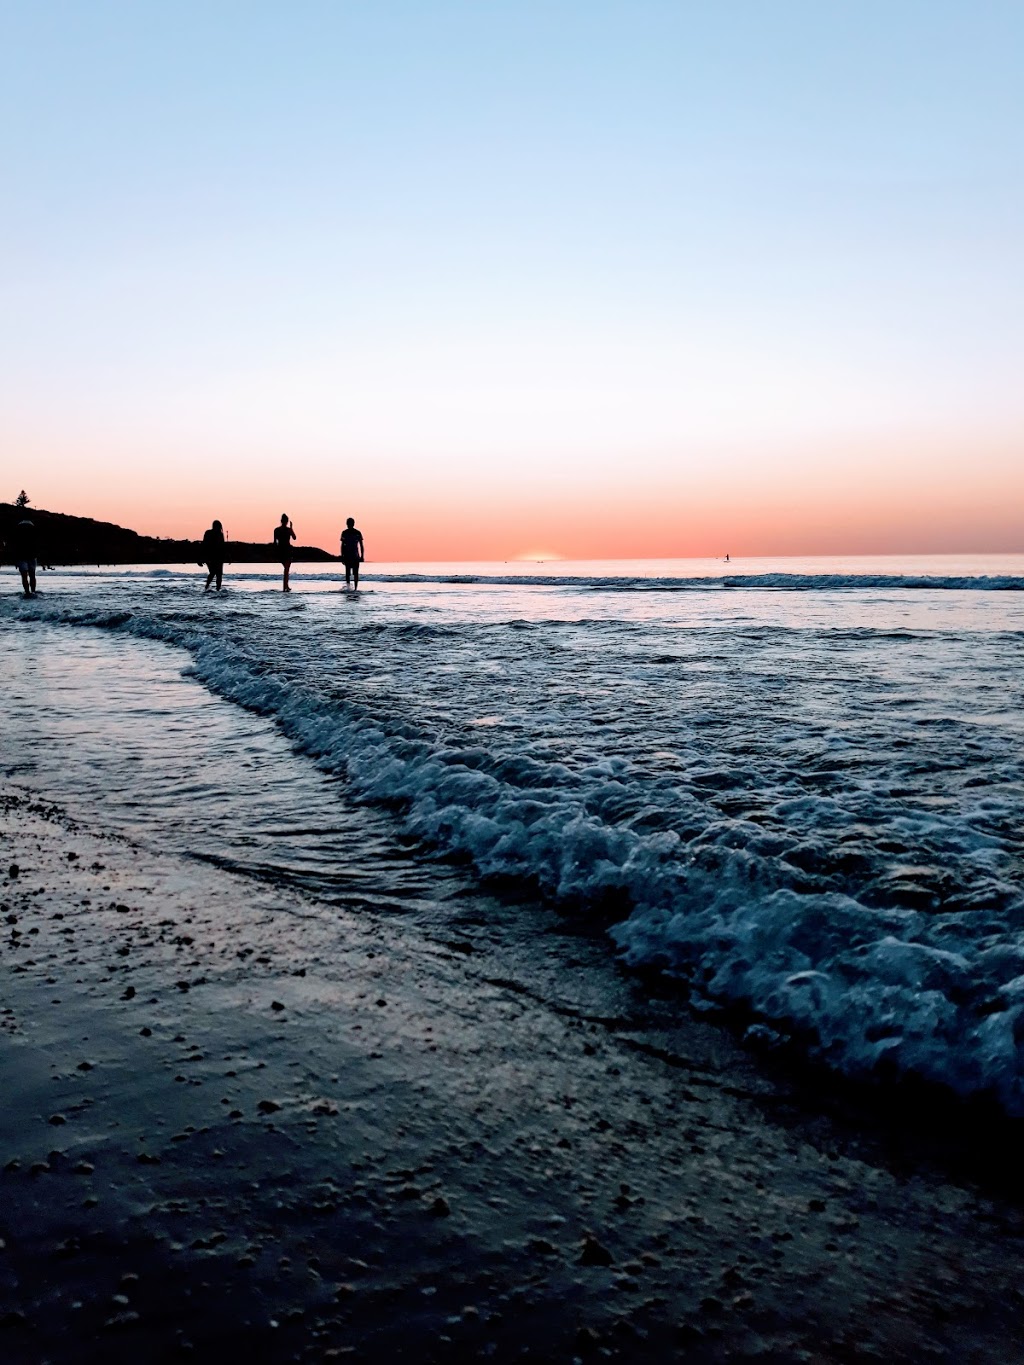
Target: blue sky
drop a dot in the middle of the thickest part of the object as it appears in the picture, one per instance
(466, 250)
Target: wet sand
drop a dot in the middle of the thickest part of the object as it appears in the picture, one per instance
(239, 1123)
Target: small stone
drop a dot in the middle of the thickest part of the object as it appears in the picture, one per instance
(440, 1208)
(276, 1005)
(816, 1205)
(119, 1320)
(85, 1066)
(593, 1253)
(268, 1107)
(145, 1033)
(56, 1120)
(13, 870)
(147, 1159)
(587, 1339)
(128, 993)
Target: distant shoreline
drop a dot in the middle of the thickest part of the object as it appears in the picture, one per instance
(66, 541)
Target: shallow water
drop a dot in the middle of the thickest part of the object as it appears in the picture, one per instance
(798, 787)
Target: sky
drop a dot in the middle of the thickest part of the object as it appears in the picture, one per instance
(585, 278)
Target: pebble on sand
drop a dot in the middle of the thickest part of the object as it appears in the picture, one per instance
(594, 1253)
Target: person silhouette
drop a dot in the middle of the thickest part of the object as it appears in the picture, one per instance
(283, 537)
(213, 553)
(353, 552)
(24, 554)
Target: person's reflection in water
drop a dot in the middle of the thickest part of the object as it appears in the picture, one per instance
(213, 553)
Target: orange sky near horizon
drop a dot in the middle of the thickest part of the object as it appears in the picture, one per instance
(915, 497)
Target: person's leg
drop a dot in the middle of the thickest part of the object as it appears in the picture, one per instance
(220, 576)
(348, 575)
(209, 578)
(32, 573)
(23, 570)
(287, 571)
(355, 572)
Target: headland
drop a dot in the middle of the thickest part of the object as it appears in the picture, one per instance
(69, 540)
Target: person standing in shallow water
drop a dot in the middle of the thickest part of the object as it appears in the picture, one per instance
(213, 553)
(24, 553)
(283, 537)
(352, 552)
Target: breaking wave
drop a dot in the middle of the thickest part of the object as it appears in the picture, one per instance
(789, 582)
(887, 932)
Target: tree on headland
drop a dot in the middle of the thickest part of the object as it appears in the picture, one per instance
(22, 500)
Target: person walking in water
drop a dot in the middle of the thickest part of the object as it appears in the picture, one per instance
(352, 552)
(213, 553)
(24, 553)
(283, 537)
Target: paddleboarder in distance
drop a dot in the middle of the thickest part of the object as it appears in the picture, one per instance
(283, 537)
(352, 552)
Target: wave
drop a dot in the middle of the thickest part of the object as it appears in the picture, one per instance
(831, 582)
(718, 903)
(790, 582)
(780, 581)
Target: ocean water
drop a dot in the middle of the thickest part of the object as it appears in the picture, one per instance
(797, 786)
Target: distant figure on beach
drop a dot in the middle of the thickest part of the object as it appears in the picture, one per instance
(283, 537)
(24, 553)
(213, 553)
(727, 557)
(352, 552)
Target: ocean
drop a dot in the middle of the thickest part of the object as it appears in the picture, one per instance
(794, 786)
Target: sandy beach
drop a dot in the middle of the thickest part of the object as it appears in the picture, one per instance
(236, 1120)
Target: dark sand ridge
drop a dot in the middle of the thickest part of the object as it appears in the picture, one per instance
(237, 1123)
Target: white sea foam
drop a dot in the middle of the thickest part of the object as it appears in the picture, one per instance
(846, 867)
